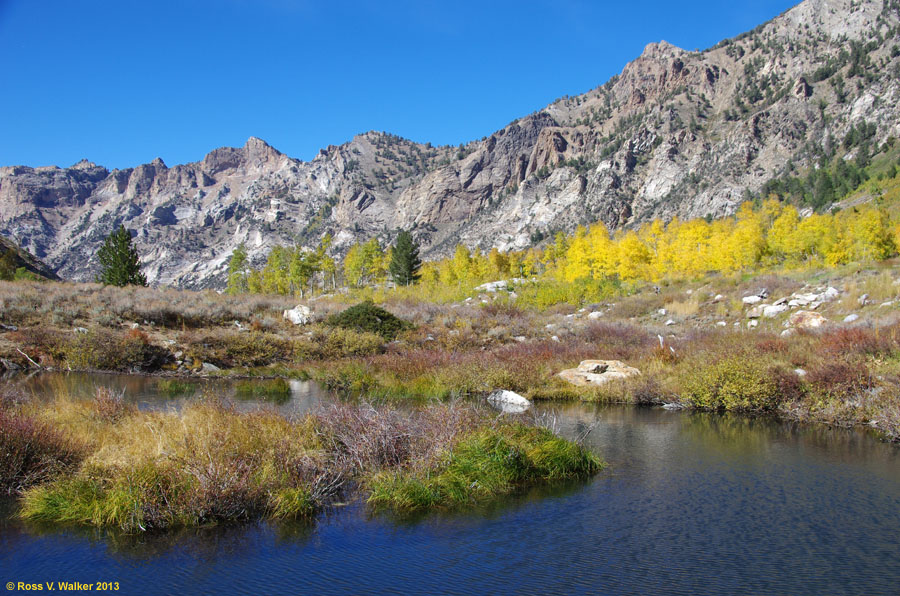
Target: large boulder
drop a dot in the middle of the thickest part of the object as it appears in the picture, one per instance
(508, 402)
(806, 319)
(598, 372)
(299, 315)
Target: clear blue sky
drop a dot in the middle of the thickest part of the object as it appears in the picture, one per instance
(123, 82)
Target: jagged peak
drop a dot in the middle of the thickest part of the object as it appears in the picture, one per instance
(660, 49)
(256, 143)
(159, 163)
(83, 164)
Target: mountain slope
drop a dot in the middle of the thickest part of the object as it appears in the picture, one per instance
(12, 258)
(677, 133)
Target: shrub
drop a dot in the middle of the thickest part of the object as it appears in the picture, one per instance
(737, 382)
(367, 317)
(31, 452)
(229, 348)
(103, 349)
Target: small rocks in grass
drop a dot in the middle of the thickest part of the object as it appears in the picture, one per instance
(851, 318)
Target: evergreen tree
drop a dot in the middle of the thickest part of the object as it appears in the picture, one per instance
(405, 262)
(119, 262)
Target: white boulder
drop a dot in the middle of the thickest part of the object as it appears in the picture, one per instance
(509, 402)
(299, 315)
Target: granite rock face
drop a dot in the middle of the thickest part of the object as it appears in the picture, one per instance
(677, 133)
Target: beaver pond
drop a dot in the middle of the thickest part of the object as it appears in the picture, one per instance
(690, 503)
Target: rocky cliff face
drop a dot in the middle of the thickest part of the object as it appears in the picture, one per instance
(677, 133)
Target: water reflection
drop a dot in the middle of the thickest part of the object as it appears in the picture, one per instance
(156, 393)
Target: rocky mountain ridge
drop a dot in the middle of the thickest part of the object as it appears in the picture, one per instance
(677, 133)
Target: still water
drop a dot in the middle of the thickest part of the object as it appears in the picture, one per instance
(690, 504)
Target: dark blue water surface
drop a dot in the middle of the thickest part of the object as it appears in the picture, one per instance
(690, 504)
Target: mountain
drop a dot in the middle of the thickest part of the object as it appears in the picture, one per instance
(677, 133)
(12, 258)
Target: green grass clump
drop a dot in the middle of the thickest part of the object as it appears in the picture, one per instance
(483, 465)
(368, 317)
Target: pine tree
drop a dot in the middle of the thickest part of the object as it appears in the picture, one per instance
(405, 262)
(119, 262)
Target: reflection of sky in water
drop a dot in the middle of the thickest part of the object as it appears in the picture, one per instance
(690, 504)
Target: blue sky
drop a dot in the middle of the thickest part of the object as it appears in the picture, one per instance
(123, 82)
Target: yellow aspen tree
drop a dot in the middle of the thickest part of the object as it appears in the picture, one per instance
(578, 257)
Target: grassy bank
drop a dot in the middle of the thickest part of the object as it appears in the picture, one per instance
(841, 376)
(104, 463)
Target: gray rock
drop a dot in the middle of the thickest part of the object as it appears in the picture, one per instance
(829, 294)
(774, 310)
(210, 368)
(851, 318)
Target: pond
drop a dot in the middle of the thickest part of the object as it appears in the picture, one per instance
(690, 504)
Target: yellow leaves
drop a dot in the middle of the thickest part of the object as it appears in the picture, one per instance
(634, 257)
(771, 234)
